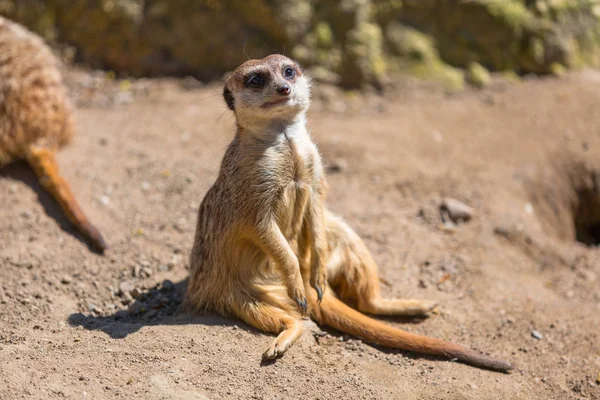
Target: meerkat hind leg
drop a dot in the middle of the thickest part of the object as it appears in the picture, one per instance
(292, 330)
(272, 316)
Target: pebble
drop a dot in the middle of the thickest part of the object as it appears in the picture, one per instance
(65, 280)
(127, 298)
(94, 309)
(135, 293)
(167, 285)
(104, 200)
(337, 166)
(137, 308)
(136, 270)
(537, 335)
(125, 287)
(456, 210)
(145, 272)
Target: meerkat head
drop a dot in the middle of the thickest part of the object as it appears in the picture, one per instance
(273, 88)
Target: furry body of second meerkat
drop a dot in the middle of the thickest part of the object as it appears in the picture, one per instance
(268, 251)
(35, 117)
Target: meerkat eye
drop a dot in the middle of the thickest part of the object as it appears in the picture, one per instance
(289, 72)
(255, 81)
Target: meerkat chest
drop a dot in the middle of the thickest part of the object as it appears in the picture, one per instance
(299, 186)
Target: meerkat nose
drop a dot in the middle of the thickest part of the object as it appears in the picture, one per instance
(284, 90)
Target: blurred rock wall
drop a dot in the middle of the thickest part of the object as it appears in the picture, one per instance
(353, 42)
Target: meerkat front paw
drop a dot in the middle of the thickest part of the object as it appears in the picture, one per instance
(297, 294)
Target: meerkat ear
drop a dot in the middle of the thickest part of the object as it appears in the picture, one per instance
(228, 96)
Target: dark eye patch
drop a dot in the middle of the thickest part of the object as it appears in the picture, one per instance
(256, 80)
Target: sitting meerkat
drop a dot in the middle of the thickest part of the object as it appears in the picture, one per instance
(35, 116)
(268, 251)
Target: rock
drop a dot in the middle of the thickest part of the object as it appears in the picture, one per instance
(343, 37)
(337, 166)
(125, 287)
(94, 309)
(65, 280)
(137, 308)
(127, 298)
(456, 210)
(135, 293)
(145, 272)
(136, 271)
(537, 335)
(167, 285)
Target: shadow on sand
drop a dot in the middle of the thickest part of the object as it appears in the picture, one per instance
(161, 305)
(20, 171)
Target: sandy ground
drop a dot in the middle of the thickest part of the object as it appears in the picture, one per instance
(524, 156)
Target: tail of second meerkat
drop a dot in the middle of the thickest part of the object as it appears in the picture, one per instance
(45, 167)
(335, 313)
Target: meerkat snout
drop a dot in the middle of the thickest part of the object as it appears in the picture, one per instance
(284, 90)
(271, 88)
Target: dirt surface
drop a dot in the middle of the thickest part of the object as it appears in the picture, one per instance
(513, 281)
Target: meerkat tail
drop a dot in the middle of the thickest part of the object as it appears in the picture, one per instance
(45, 167)
(335, 313)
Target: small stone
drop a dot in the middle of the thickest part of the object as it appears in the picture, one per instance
(125, 287)
(145, 272)
(65, 280)
(135, 293)
(104, 200)
(167, 285)
(146, 186)
(537, 335)
(136, 271)
(127, 298)
(456, 210)
(337, 166)
(94, 309)
(137, 308)
(473, 386)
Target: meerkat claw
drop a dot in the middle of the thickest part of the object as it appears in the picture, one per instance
(303, 305)
(319, 294)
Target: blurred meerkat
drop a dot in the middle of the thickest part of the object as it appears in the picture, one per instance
(267, 251)
(35, 117)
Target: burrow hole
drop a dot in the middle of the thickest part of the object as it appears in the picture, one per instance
(586, 215)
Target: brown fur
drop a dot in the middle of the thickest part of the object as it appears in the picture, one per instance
(266, 247)
(35, 116)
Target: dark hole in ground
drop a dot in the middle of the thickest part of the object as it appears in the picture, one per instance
(587, 217)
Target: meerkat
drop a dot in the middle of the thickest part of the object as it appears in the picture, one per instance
(35, 117)
(266, 248)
